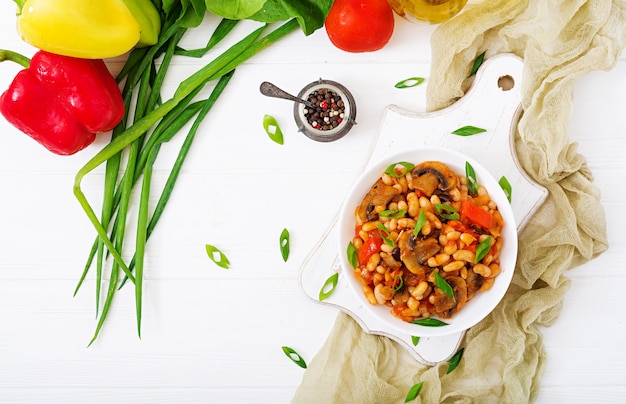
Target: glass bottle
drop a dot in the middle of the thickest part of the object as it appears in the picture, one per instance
(432, 11)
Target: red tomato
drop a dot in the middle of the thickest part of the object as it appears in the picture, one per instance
(476, 215)
(369, 248)
(360, 25)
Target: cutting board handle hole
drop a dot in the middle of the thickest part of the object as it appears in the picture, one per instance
(506, 82)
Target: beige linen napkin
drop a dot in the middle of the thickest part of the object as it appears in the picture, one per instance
(504, 357)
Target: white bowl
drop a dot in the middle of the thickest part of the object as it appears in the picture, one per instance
(484, 301)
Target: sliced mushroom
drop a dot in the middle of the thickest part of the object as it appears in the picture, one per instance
(431, 176)
(416, 252)
(474, 282)
(379, 195)
(445, 306)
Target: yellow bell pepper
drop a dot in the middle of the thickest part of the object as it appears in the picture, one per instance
(90, 29)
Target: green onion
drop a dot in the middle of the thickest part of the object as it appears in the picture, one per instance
(506, 187)
(415, 340)
(272, 129)
(429, 322)
(352, 254)
(294, 356)
(472, 183)
(329, 286)
(398, 282)
(410, 82)
(477, 63)
(455, 360)
(393, 213)
(391, 169)
(483, 248)
(421, 219)
(443, 285)
(446, 211)
(217, 256)
(384, 234)
(468, 130)
(284, 244)
(413, 392)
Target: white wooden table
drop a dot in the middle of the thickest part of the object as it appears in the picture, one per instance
(214, 335)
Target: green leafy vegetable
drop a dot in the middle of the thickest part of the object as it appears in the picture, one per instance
(468, 130)
(393, 213)
(446, 211)
(455, 360)
(429, 322)
(272, 129)
(506, 187)
(472, 183)
(352, 254)
(329, 286)
(391, 169)
(414, 392)
(415, 340)
(284, 244)
(477, 63)
(410, 82)
(294, 356)
(483, 248)
(443, 285)
(217, 256)
(421, 219)
(384, 234)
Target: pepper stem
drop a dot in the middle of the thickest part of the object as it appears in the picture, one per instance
(20, 5)
(14, 57)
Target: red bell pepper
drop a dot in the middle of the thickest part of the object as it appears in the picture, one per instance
(476, 215)
(62, 102)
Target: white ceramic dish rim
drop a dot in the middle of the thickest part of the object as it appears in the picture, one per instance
(484, 302)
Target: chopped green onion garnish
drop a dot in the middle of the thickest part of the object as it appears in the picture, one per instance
(398, 282)
(217, 256)
(352, 254)
(468, 130)
(472, 183)
(415, 340)
(410, 82)
(429, 322)
(421, 219)
(272, 129)
(329, 286)
(294, 356)
(447, 211)
(284, 244)
(384, 234)
(483, 248)
(414, 392)
(391, 170)
(506, 187)
(454, 361)
(443, 285)
(477, 63)
(393, 213)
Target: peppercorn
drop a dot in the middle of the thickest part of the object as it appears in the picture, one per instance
(329, 109)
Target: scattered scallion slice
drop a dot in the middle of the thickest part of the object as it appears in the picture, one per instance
(352, 254)
(421, 219)
(410, 82)
(472, 183)
(477, 63)
(415, 340)
(447, 211)
(483, 248)
(393, 213)
(506, 187)
(468, 130)
(329, 286)
(414, 392)
(443, 285)
(294, 356)
(272, 129)
(398, 282)
(455, 360)
(429, 322)
(391, 169)
(284, 244)
(217, 256)
(384, 234)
